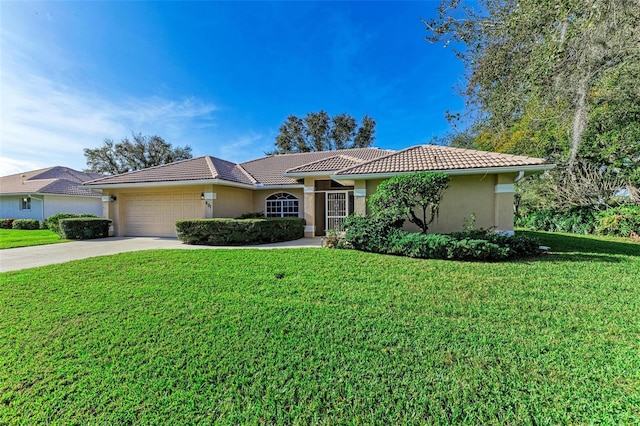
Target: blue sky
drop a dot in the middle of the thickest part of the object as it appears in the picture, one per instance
(218, 76)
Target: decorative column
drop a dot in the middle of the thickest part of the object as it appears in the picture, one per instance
(360, 198)
(504, 190)
(309, 207)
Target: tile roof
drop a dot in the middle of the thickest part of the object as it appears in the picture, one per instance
(270, 170)
(52, 180)
(337, 162)
(434, 157)
(200, 168)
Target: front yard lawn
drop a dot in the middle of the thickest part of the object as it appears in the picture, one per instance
(11, 238)
(309, 336)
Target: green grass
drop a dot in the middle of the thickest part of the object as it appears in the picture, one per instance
(11, 238)
(310, 336)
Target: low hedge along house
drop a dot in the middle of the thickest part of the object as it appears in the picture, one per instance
(321, 187)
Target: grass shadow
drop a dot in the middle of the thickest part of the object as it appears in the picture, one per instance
(584, 247)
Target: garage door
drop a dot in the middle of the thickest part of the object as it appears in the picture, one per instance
(155, 214)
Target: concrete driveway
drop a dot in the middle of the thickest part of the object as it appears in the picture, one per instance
(30, 257)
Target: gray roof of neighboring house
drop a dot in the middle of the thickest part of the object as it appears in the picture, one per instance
(435, 157)
(56, 180)
(284, 169)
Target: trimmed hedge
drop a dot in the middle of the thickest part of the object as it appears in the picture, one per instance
(218, 232)
(53, 221)
(84, 228)
(26, 224)
(373, 235)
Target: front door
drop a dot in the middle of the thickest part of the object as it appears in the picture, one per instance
(337, 208)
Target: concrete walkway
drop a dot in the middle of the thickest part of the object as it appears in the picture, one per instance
(30, 257)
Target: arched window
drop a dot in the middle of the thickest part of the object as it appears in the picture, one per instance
(282, 204)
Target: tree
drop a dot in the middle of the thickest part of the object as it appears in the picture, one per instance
(317, 131)
(538, 55)
(136, 154)
(399, 197)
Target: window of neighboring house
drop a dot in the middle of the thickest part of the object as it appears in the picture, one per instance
(25, 203)
(282, 204)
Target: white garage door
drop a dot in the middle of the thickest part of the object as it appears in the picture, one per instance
(155, 214)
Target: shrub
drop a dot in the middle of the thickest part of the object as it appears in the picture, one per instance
(29, 224)
(53, 221)
(622, 221)
(578, 220)
(397, 198)
(368, 233)
(84, 228)
(373, 235)
(6, 223)
(251, 215)
(216, 232)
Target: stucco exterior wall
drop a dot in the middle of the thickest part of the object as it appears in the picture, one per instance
(466, 196)
(10, 206)
(231, 201)
(77, 205)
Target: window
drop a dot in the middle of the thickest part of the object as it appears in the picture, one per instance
(25, 203)
(282, 204)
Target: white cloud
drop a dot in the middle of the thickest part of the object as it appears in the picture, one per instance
(43, 123)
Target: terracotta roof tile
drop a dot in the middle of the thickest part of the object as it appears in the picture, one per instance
(330, 164)
(200, 168)
(52, 180)
(270, 170)
(434, 157)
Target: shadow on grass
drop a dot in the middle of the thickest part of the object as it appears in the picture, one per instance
(583, 247)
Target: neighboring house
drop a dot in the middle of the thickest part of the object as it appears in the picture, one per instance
(321, 187)
(41, 193)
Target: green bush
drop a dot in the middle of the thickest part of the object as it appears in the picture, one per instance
(376, 236)
(217, 232)
(578, 220)
(369, 233)
(28, 224)
(84, 228)
(6, 223)
(622, 221)
(53, 222)
(251, 215)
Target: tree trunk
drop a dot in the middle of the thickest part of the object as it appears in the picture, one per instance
(579, 121)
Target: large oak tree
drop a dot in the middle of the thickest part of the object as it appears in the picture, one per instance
(139, 152)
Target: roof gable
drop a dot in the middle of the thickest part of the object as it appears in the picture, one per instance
(337, 162)
(52, 180)
(270, 170)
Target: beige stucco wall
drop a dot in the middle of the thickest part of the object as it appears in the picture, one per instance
(467, 195)
(231, 201)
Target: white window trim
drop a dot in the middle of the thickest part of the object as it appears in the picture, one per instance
(25, 201)
(279, 201)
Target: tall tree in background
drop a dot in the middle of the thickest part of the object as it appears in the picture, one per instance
(136, 154)
(317, 131)
(535, 69)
